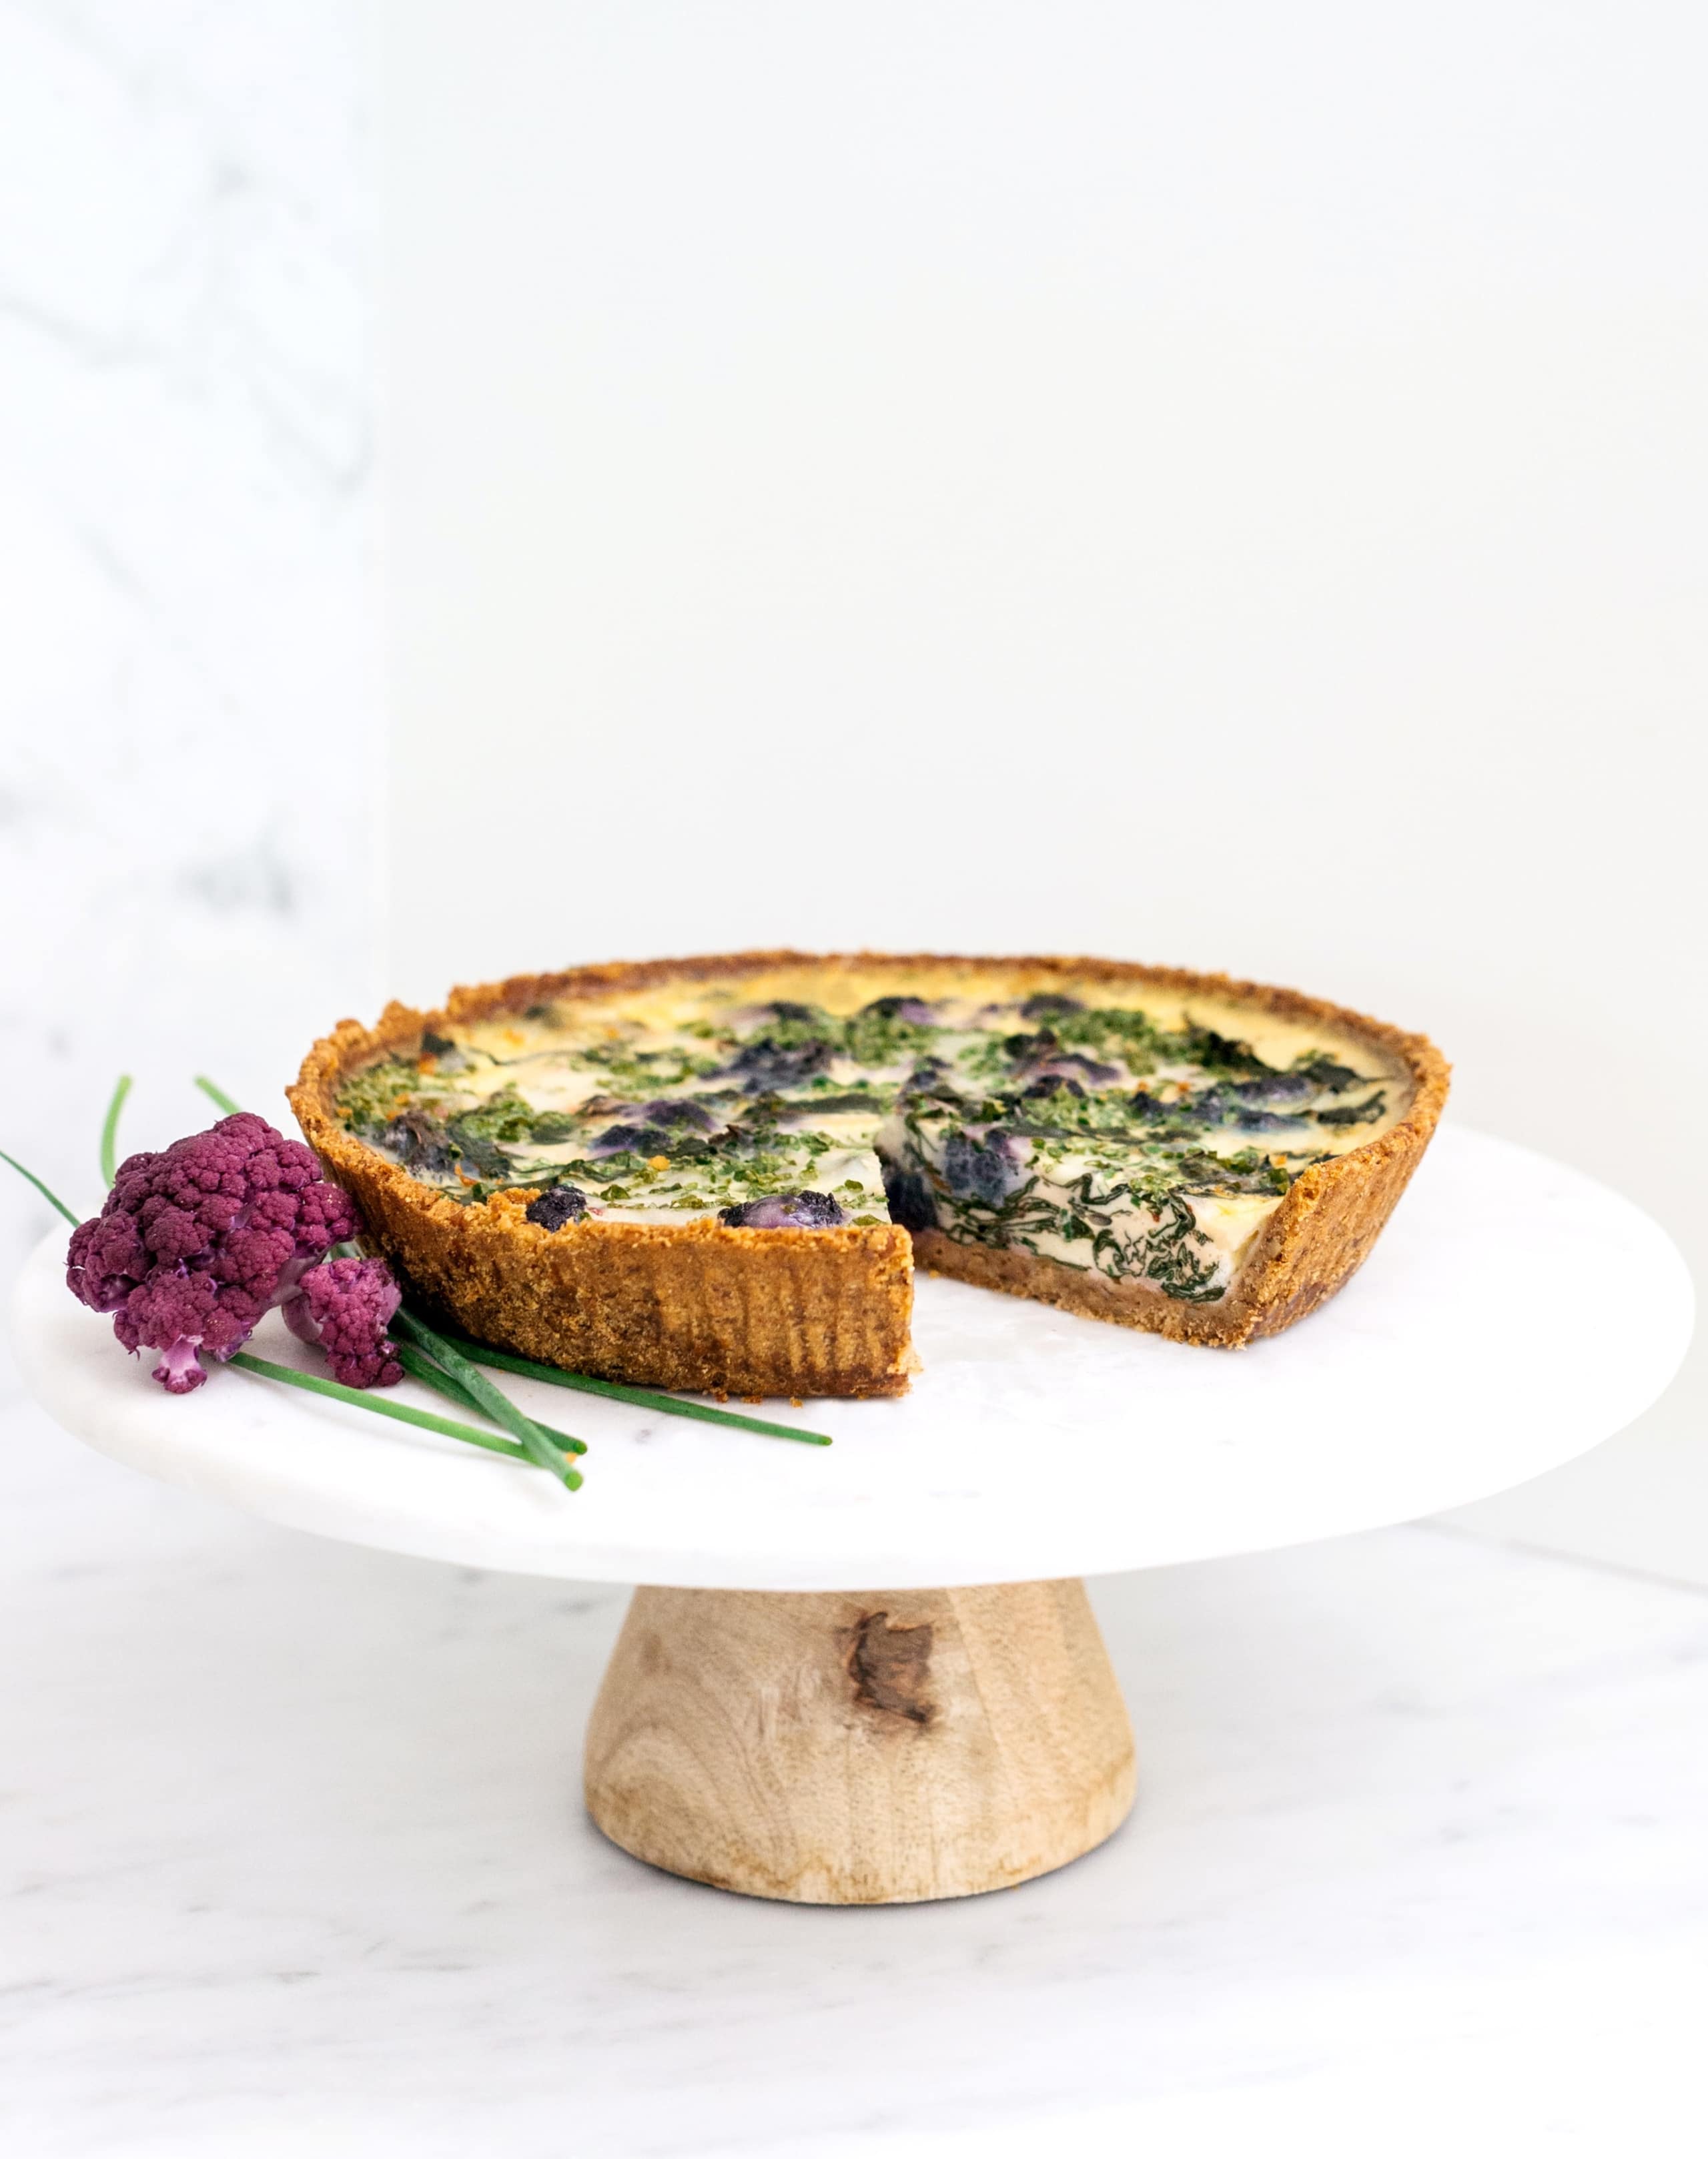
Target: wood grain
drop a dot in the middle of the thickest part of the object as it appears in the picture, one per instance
(860, 1749)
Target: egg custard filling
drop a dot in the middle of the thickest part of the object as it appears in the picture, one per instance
(1126, 1130)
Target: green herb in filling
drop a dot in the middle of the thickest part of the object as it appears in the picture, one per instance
(1092, 1136)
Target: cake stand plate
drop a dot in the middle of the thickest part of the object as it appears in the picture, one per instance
(774, 1722)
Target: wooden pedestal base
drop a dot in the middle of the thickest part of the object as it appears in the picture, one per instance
(860, 1749)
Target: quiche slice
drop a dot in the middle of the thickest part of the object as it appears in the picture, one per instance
(716, 1173)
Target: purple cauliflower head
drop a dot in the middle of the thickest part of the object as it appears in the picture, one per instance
(345, 1306)
(194, 1244)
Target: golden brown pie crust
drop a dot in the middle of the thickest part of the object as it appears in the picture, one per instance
(701, 1308)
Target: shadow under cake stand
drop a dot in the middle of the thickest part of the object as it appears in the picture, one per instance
(869, 1674)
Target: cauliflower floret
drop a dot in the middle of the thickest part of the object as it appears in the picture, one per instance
(345, 1307)
(193, 1244)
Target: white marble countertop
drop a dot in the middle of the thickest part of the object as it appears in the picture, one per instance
(294, 1860)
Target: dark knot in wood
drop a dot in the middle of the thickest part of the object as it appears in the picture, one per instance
(891, 1667)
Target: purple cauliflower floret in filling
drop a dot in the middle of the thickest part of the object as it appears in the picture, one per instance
(345, 1306)
(914, 1011)
(764, 1065)
(563, 1202)
(194, 1244)
(785, 1210)
(986, 1170)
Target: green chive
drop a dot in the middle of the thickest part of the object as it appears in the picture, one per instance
(52, 1197)
(360, 1399)
(419, 1366)
(503, 1360)
(217, 1094)
(497, 1406)
(110, 1132)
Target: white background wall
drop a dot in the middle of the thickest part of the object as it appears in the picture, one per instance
(1219, 486)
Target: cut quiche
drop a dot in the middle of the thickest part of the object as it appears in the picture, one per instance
(717, 1173)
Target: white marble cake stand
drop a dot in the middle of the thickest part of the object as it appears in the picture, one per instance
(957, 1728)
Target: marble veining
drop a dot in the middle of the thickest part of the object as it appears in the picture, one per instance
(294, 1860)
(186, 426)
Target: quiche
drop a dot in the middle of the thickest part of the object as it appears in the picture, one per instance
(718, 1173)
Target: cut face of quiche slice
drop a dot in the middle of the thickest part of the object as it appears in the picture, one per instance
(716, 1173)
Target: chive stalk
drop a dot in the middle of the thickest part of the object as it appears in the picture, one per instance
(363, 1399)
(504, 1360)
(52, 1197)
(217, 1094)
(419, 1366)
(110, 1132)
(494, 1404)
